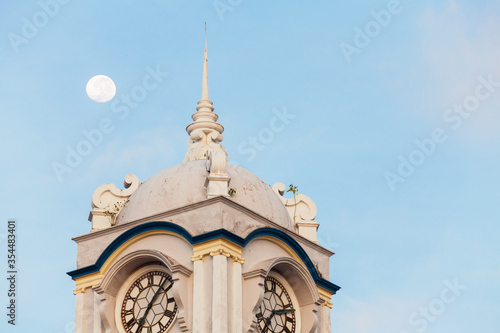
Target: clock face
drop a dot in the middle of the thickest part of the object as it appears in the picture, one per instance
(149, 306)
(276, 313)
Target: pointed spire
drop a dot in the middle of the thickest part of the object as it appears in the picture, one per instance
(204, 87)
(205, 133)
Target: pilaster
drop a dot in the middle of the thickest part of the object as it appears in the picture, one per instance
(198, 297)
(237, 298)
(219, 297)
(225, 281)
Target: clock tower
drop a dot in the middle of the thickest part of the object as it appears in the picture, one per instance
(203, 246)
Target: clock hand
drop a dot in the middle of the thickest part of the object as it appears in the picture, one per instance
(279, 311)
(282, 311)
(141, 322)
(157, 294)
(268, 320)
(150, 305)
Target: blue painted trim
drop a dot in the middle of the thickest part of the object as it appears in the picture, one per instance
(298, 250)
(115, 244)
(175, 228)
(217, 234)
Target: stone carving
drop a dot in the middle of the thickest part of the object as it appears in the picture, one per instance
(205, 133)
(201, 142)
(302, 210)
(253, 284)
(216, 163)
(180, 289)
(108, 200)
(105, 308)
(218, 179)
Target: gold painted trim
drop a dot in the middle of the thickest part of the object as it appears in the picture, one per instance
(79, 291)
(196, 258)
(88, 281)
(218, 246)
(95, 279)
(284, 246)
(326, 296)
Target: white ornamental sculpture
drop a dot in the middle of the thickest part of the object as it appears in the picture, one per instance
(108, 200)
(302, 211)
(205, 133)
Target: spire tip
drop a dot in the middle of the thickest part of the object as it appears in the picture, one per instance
(204, 89)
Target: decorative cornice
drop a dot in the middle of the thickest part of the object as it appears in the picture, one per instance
(79, 291)
(218, 246)
(165, 216)
(178, 268)
(295, 246)
(326, 297)
(196, 258)
(172, 228)
(101, 278)
(259, 272)
(88, 281)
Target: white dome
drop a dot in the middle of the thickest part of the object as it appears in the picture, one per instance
(184, 184)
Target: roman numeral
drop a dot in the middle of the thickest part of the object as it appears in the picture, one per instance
(287, 330)
(170, 300)
(168, 313)
(129, 312)
(162, 279)
(289, 319)
(150, 280)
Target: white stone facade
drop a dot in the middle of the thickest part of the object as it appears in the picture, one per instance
(220, 235)
(218, 281)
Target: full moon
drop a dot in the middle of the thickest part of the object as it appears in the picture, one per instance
(101, 89)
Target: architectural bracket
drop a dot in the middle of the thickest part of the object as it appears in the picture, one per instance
(218, 179)
(180, 275)
(108, 200)
(302, 210)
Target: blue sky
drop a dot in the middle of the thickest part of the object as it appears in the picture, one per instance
(415, 230)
